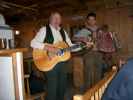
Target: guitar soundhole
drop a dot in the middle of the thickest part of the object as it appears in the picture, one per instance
(50, 55)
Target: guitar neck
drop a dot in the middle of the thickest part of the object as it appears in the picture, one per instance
(71, 48)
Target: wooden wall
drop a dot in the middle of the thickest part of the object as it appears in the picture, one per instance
(117, 18)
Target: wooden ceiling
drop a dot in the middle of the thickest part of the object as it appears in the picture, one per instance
(42, 8)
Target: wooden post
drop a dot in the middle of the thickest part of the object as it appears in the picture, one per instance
(13, 60)
(78, 71)
(18, 75)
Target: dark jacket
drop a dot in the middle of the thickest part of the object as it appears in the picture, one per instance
(121, 87)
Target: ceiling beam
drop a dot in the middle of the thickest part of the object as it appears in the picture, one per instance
(19, 6)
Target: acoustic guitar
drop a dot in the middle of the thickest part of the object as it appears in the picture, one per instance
(45, 61)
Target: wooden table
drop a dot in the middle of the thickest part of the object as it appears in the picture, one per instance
(11, 74)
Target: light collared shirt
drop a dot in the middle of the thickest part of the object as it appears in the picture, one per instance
(37, 42)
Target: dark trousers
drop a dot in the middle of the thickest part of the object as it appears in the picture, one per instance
(56, 82)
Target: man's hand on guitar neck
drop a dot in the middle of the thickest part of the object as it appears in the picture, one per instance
(89, 44)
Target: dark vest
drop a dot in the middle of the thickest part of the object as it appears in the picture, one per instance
(49, 36)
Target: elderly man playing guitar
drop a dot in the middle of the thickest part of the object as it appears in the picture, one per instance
(51, 48)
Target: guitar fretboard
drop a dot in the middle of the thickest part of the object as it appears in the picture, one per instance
(71, 48)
